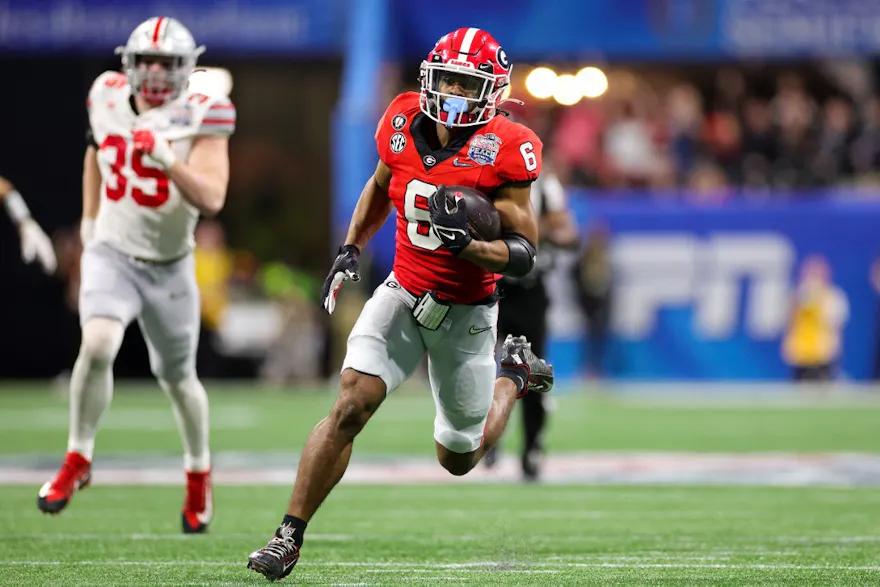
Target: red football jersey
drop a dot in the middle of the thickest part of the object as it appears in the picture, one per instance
(485, 157)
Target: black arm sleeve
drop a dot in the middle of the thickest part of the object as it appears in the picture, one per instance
(90, 138)
(522, 255)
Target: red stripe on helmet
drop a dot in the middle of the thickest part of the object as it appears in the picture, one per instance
(157, 29)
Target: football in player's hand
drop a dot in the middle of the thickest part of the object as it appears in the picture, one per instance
(484, 223)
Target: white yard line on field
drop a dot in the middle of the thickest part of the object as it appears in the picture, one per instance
(743, 547)
(483, 566)
(141, 419)
(176, 536)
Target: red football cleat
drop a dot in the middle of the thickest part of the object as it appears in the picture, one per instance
(75, 474)
(198, 507)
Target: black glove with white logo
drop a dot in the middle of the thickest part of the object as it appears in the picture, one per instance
(449, 220)
(345, 267)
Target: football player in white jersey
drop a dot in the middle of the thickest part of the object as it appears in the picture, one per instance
(35, 245)
(157, 158)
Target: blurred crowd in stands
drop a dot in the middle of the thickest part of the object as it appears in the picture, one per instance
(716, 129)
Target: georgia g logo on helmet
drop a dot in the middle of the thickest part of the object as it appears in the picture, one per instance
(464, 78)
(501, 59)
(158, 59)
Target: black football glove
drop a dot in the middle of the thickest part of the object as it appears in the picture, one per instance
(449, 220)
(345, 267)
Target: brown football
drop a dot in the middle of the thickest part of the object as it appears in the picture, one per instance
(484, 223)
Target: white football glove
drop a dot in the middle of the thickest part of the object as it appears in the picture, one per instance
(345, 267)
(36, 245)
(156, 148)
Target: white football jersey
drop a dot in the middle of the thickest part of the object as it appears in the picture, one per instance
(142, 212)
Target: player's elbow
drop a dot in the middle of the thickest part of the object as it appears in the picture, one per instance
(211, 208)
(213, 201)
(521, 256)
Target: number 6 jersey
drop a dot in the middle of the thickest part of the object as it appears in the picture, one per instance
(142, 213)
(486, 157)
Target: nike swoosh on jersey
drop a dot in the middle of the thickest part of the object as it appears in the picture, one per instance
(458, 163)
(475, 330)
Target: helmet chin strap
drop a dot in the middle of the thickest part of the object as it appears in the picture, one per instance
(453, 107)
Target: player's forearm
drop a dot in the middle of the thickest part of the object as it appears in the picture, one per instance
(91, 185)
(491, 256)
(561, 230)
(5, 187)
(513, 255)
(91, 202)
(370, 213)
(204, 191)
(564, 238)
(14, 204)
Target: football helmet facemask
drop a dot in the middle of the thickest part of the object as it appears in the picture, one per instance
(464, 78)
(158, 59)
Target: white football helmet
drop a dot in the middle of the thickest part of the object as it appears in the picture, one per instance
(165, 40)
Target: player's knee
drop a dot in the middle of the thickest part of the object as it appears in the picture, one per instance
(456, 463)
(101, 339)
(359, 397)
(176, 365)
(188, 386)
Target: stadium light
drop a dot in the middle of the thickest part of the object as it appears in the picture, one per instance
(568, 91)
(541, 82)
(211, 81)
(592, 82)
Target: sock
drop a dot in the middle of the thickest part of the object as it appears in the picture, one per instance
(519, 374)
(534, 419)
(190, 403)
(91, 382)
(299, 528)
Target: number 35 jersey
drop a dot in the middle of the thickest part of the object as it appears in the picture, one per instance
(142, 212)
(487, 157)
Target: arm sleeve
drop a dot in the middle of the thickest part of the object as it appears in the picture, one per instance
(90, 138)
(219, 119)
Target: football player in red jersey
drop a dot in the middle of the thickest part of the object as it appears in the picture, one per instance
(440, 298)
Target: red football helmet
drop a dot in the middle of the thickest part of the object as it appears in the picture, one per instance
(464, 78)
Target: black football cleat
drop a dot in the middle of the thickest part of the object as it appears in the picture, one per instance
(517, 351)
(531, 463)
(277, 559)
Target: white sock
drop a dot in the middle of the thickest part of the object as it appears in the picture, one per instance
(191, 411)
(91, 383)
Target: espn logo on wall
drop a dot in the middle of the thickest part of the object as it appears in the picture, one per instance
(714, 276)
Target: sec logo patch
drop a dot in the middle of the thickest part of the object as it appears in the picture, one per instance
(398, 142)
